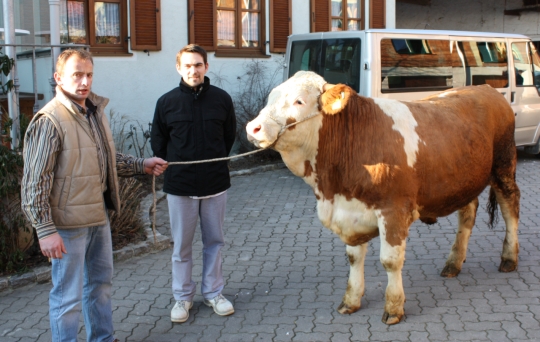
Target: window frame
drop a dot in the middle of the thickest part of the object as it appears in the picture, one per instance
(321, 15)
(99, 49)
(238, 50)
(345, 18)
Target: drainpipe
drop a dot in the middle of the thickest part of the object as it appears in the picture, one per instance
(390, 14)
(54, 10)
(12, 96)
(367, 17)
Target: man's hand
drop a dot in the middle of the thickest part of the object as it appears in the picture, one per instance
(155, 166)
(53, 246)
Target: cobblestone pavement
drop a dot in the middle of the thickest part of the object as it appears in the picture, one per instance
(286, 275)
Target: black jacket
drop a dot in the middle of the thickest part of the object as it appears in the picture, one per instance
(191, 125)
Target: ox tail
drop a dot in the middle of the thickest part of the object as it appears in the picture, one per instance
(492, 209)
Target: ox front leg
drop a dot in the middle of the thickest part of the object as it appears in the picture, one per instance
(392, 258)
(458, 253)
(356, 284)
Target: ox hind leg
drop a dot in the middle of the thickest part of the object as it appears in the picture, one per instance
(508, 199)
(356, 284)
(458, 253)
(505, 192)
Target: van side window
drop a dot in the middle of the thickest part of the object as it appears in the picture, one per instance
(522, 64)
(411, 46)
(491, 52)
(337, 60)
(434, 65)
(485, 63)
(416, 65)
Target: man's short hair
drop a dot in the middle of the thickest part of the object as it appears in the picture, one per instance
(66, 54)
(192, 48)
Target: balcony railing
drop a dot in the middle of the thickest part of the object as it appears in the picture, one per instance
(15, 78)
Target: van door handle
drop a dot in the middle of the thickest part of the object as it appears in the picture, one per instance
(512, 96)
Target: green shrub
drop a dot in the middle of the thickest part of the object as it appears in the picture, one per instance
(129, 137)
(127, 227)
(12, 221)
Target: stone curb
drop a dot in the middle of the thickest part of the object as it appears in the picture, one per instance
(42, 274)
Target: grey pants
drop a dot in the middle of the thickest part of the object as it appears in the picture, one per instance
(184, 212)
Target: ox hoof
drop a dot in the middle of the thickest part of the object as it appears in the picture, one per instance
(450, 271)
(346, 309)
(391, 319)
(507, 266)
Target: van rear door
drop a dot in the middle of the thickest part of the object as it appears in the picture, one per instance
(524, 87)
(337, 59)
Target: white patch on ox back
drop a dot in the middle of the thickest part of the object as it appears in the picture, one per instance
(404, 123)
(447, 93)
(346, 218)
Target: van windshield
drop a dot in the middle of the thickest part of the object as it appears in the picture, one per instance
(337, 60)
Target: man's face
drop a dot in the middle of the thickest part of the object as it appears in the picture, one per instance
(192, 68)
(76, 79)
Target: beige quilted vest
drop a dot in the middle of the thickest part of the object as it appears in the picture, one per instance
(76, 197)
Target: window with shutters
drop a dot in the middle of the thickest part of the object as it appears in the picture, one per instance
(100, 24)
(231, 28)
(103, 25)
(337, 15)
(238, 25)
(346, 15)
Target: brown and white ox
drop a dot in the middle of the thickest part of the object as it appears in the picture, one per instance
(377, 165)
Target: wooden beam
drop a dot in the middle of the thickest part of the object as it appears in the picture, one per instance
(417, 2)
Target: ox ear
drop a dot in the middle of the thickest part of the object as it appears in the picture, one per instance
(335, 98)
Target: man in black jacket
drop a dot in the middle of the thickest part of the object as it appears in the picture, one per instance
(195, 121)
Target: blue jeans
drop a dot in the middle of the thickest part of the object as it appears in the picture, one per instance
(83, 278)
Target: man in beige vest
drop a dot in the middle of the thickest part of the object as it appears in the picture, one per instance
(70, 179)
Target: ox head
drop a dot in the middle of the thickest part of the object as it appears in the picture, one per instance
(298, 101)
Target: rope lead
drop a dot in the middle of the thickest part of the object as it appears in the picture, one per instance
(283, 128)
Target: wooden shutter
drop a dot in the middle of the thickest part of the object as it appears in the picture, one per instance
(320, 15)
(378, 14)
(201, 17)
(280, 24)
(145, 18)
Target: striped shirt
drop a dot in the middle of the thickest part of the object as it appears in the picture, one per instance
(42, 145)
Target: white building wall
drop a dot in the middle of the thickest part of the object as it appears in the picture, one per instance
(133, 84)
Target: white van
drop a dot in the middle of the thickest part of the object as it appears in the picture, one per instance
(413, 64)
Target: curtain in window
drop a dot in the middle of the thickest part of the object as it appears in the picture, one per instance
(250, 29)
(225, 28)
(73, 29)
(336, 11)
(107, 23)
(353, 12)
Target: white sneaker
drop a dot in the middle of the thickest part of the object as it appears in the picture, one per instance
(220, 304)
(180, 312)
